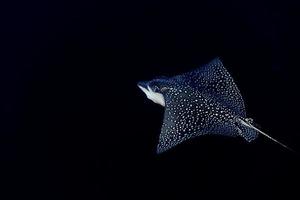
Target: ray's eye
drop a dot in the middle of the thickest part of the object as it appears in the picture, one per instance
(156, 89)
(163, 89)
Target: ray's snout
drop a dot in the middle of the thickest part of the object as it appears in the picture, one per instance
(142, 84)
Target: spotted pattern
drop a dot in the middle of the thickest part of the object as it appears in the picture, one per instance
(188, 114)
(200, 102)
(215, 81)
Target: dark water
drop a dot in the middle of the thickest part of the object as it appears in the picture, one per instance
(75, 126)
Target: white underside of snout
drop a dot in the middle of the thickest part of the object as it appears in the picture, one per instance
(153, 96)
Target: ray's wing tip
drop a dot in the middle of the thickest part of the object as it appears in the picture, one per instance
(217, 60)
(159, 150)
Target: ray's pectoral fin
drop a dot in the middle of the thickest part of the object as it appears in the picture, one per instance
(178, 124)
(188, 114)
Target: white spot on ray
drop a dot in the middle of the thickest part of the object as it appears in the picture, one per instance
(200, 102)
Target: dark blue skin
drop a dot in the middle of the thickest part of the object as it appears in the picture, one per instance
(200, 102)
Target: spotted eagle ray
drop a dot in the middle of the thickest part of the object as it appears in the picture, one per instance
(200, 102)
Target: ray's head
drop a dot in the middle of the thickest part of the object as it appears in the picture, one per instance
(155, 89)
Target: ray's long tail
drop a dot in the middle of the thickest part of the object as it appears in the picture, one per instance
(247, 124)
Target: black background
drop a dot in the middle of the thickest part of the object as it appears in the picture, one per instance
(75, 126)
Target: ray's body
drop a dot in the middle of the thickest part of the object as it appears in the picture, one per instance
(200, 102)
